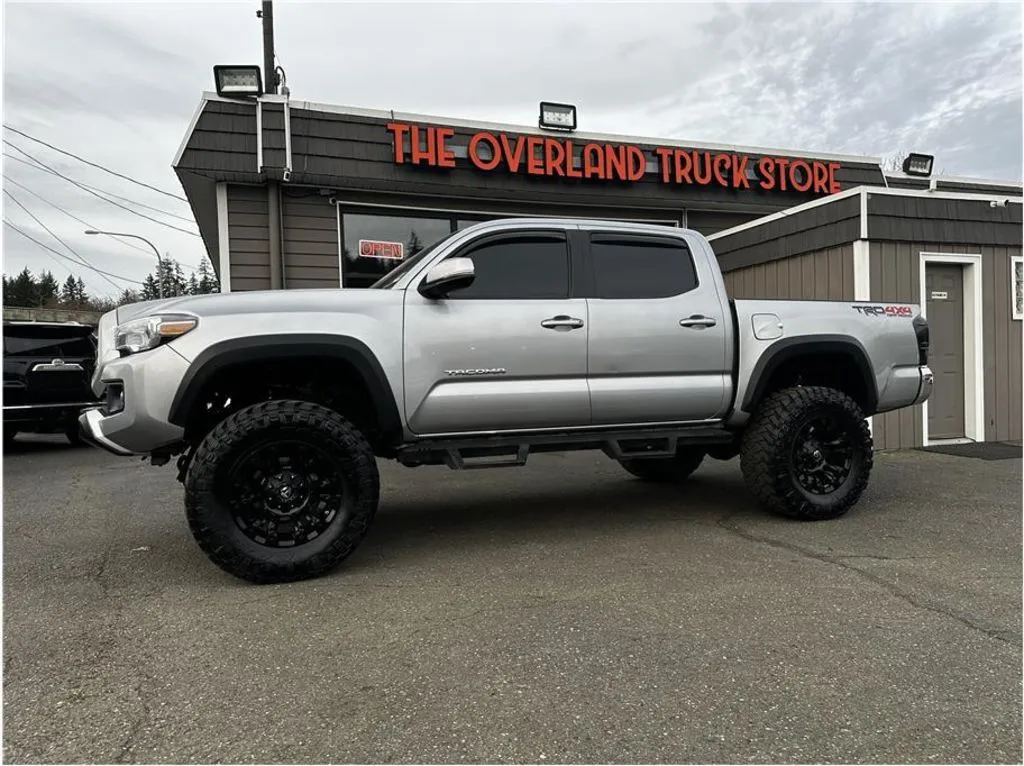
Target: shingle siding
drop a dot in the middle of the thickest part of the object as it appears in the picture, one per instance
(807, 231)
(952, 221)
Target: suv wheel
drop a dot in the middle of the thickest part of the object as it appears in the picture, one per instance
(281, 491)
(666, 469)
(807, 453)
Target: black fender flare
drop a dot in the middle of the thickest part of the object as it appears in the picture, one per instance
(282, 347)
(785, 349)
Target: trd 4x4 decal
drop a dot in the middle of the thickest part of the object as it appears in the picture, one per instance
(886, 311)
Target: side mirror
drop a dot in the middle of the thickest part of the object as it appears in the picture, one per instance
(450, 274)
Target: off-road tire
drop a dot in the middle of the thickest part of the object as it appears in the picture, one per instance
(212, 521)
(670, 470)
(768, 454)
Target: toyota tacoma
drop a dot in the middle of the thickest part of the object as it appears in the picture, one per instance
(504, 339)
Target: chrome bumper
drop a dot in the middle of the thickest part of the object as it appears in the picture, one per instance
(89, 426)
(925, 389)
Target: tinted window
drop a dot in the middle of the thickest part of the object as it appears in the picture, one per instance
(47, 347)
(627, 267)
(529, 266)
(373, 245)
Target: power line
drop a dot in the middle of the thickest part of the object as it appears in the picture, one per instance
(93, 164)
(47, 247)
(68, 247)
(82, 221)
(129, 200)
(95, 194)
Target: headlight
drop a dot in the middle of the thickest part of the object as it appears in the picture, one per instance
(149, 332)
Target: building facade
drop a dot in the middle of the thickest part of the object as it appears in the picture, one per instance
(290, 194)
(956, 254)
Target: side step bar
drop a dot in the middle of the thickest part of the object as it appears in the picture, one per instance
(499, 451)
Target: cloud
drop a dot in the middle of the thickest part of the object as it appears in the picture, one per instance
(117, 83)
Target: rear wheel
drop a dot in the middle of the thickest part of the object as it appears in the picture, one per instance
(281, 491)
(666, 469)
(807, 453)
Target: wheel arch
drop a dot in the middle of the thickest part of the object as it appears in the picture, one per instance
(782, 358)
(220, 357)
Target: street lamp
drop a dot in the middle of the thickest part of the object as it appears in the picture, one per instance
(159, 263)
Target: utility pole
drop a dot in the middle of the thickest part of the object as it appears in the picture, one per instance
(269, 71)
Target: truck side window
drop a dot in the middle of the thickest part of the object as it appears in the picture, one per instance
(523, 266)
(640, 267)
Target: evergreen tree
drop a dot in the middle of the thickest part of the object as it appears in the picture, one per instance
(128, 296)
(69, 293)
(413, 246)
(49, 289)
(208, 282)
(150, 288)
(22, 290)
(81, 294)
(192, 287)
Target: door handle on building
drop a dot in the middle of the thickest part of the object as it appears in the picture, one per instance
(697, 321)
(562, 322)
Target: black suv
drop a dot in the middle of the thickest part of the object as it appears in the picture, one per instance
(47, 369)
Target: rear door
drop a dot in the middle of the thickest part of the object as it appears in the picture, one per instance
(509, 352)
(657, 345)
(47, 364)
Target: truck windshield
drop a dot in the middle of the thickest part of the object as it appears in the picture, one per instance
(389, 279)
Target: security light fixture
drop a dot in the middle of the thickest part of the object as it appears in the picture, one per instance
(557, 116)
(918, 165)
(237, 81)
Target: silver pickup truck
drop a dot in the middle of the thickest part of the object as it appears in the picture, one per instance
(503, 339)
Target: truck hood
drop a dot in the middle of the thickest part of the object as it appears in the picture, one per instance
(262, 302)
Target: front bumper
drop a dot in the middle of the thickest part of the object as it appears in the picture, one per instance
(140, 426)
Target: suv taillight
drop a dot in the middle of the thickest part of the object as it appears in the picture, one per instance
(921, 331)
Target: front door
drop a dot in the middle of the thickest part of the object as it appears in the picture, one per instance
(657, 341)
(944, 293)
(509, 352)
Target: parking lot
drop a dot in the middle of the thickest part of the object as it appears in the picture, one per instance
(561, 612)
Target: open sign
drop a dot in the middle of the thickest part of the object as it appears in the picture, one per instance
(376, 248)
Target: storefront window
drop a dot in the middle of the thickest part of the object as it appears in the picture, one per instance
(375, 244)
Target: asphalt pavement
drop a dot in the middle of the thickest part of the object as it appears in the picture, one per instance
(561, 612)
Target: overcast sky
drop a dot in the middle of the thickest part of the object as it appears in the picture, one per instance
(118, 83)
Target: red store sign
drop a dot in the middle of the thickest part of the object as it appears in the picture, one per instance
(553, 157)
(375, 248)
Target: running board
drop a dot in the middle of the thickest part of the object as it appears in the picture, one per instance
(501, 451)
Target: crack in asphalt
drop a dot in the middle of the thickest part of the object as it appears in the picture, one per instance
(1000, 634)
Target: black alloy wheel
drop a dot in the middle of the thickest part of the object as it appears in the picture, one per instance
(280, 491)
(807, 453)
(822, 455)
(284, 493)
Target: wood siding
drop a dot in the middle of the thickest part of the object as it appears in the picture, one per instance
(310, 232)
(895, 276)
(824, 275)
(943, 221)
(248, 238)
(808, 231)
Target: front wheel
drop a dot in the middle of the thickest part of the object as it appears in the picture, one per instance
(281, 491)
(807, 453)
